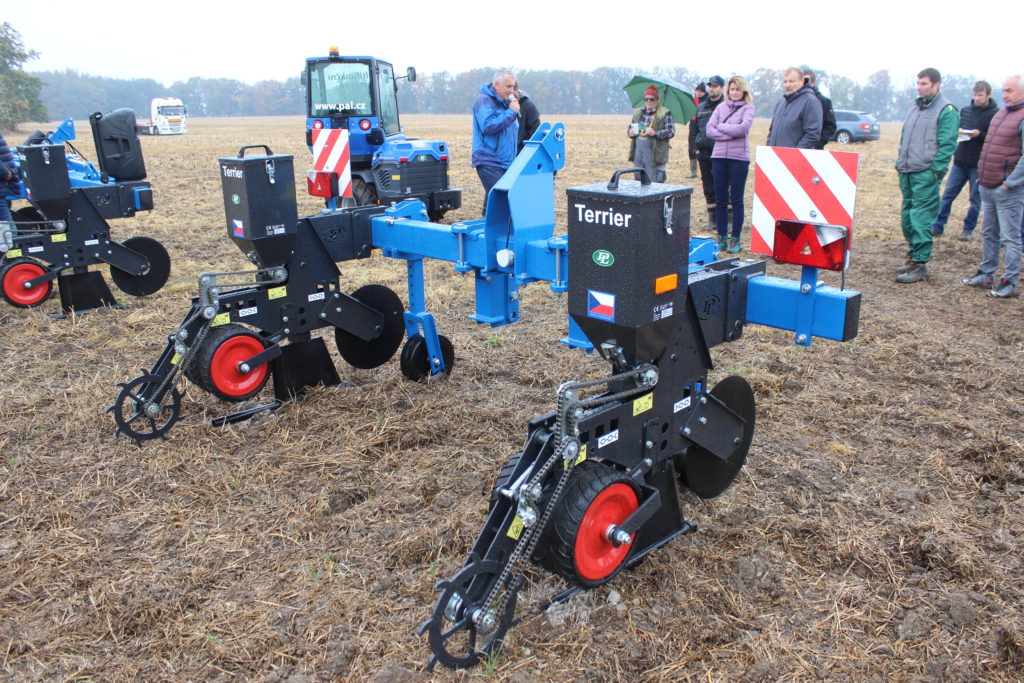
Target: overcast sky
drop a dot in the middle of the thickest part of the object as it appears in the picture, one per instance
(244, 41)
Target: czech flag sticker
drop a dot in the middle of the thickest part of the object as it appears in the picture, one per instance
(601, 305)
(237, 229)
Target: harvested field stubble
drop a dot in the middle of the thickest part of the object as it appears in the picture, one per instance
(874, 534)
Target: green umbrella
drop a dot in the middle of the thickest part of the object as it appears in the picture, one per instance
(671, 92)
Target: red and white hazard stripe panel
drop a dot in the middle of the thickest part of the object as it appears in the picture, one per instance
(331, 153)
(813, 185)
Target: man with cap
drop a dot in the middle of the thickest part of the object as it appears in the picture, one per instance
(700, 93)
(649, 132)
(705, 145)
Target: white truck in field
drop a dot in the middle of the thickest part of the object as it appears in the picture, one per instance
(167, 116)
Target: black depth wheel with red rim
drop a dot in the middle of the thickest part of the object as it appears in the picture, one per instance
(216, 363)
(595, 499)
(13, 276)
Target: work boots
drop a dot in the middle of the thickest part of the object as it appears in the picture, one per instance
(712, 223)
(913, 273)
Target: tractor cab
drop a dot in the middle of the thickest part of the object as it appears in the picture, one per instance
(352, 107)
(357, 94)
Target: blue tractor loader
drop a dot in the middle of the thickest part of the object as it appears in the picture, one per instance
(360, 95)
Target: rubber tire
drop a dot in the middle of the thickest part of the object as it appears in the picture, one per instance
(843, 137)
(504, 478)
(595, 496)
(413, 361)
(17, 271)
(364, 193)
(224, 347)
(159, 268)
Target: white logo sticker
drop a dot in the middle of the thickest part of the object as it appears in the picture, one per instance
(91, 242)
(242, 312)
(319, 296)
(610, 437)
(681, 405)
(32, 250)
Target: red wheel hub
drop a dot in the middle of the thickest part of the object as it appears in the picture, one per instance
(14, 284)
(224, 365)
(596, 556)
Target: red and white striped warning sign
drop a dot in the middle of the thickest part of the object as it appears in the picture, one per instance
(814, 185)
(331, 153)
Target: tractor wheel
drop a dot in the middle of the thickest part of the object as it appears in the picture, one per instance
(596, 498)
(152, 280)
(415, 363)
(13, 276)
(367, 355)
(363, 192)
(216, 363)
(702, 471)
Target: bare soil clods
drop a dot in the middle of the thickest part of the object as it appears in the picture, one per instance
(873, 536)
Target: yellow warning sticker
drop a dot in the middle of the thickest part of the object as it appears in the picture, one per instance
(516, 529)
(580, 457)
(13, 253)
(176, 359)
(59, 238)
(276, 292)
(643, 404)
(221, 319)
(396, 177)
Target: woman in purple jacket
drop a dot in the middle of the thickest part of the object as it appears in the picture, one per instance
(729, 127)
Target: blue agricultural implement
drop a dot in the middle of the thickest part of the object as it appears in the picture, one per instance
(244, 327)
(64, 229)
(359, 95)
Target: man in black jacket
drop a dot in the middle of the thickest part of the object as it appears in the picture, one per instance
(705, 145)
(974, 121)
(529, 117)
(700, 93)
(8, 179)
(828, 116)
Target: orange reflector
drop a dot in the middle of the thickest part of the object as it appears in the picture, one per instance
(666, 283)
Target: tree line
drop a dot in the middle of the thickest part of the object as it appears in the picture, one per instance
(70, 94)
(55, 95)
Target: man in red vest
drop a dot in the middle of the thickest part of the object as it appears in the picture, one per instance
(1001, 176)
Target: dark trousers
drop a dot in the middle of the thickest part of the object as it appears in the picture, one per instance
(489, 176)
(705, 178)
(730, 179)
(958, 177)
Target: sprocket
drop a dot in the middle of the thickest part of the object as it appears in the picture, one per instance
(138, 415)
(461, 630)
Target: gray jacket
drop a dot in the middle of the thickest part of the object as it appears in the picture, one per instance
(796, 121)
(919, 142)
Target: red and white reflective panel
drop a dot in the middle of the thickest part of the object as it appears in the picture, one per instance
(331, 153)
(807, 185)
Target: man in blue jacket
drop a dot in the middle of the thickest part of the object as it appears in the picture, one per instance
(495, 129)
(8, 179)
